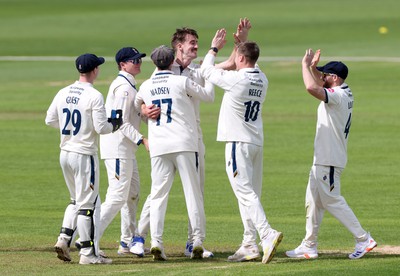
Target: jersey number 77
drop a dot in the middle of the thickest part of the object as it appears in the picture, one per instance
(168, 102)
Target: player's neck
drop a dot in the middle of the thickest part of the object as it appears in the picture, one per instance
(182, 61)
(86, 78)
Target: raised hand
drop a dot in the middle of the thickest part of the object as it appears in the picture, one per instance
(315, 59)
(219, 39)
(242, 30)
(308, 57)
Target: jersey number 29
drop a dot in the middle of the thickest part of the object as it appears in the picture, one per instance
(75, 118)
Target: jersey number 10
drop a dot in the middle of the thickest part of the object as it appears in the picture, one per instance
(252, 109)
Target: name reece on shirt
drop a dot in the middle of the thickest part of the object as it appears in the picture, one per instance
(255, 92)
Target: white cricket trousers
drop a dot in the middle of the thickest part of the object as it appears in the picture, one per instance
(323, 193)
(244, 167)
(163, 169)
(122, 195)
(144, 221)
(81, 174)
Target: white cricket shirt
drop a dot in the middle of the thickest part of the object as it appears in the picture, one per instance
(123, 143)
(192, 71)
(176, 128)
(333, 125)
(240, 117)
(78, 111)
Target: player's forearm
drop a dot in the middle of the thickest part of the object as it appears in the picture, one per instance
(138, 103)
(317, 75)
(130, 132)
(52, 121)
(52, 116)
(312, 86)
(228, 64)
(205, 93)
(100, 122)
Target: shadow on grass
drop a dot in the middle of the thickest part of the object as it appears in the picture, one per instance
(282, 258)
(219, 257)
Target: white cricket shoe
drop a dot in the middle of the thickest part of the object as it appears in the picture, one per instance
(137, 246)
(157, 250)
(207, 254)
(101, 253)
(363, 248)
(303, 252)
(189, 249)
(62, 249)
(123, 249)
(198, 250)
(269, 245)
(245, 253)
(92, 259)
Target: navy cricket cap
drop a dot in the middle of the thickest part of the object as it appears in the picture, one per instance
(128, 53)
(87, 62)
(335, 67)
(162, 57)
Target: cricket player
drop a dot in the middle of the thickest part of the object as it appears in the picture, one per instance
(327, 84)
(173, 145)
(240, 126)
(78, 111)
(118, 149)
(185, 44)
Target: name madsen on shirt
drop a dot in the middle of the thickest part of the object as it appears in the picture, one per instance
(159, 91)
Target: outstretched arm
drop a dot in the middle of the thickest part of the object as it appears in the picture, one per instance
(313, 86)
(318, 76)
(242, 30)
(241, 35)
(217, 44)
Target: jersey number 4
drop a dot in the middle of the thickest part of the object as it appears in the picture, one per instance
(74, 118)
(347, 127)
(168, 102)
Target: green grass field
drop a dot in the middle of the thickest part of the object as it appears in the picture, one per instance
(33, 193)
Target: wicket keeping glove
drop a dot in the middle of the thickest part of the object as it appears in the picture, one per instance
(116, 119)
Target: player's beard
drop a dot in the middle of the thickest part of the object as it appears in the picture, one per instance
(327, 84)
(192, 54)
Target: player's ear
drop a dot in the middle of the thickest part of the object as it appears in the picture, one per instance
(179, 46)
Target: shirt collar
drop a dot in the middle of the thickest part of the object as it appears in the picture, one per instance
(163, 72)
(83, 83)
(191, 65)
(128, 76)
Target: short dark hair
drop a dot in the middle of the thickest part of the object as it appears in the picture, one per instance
(250, 50)
(180, 35)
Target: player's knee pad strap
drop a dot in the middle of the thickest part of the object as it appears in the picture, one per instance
(86, 212)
